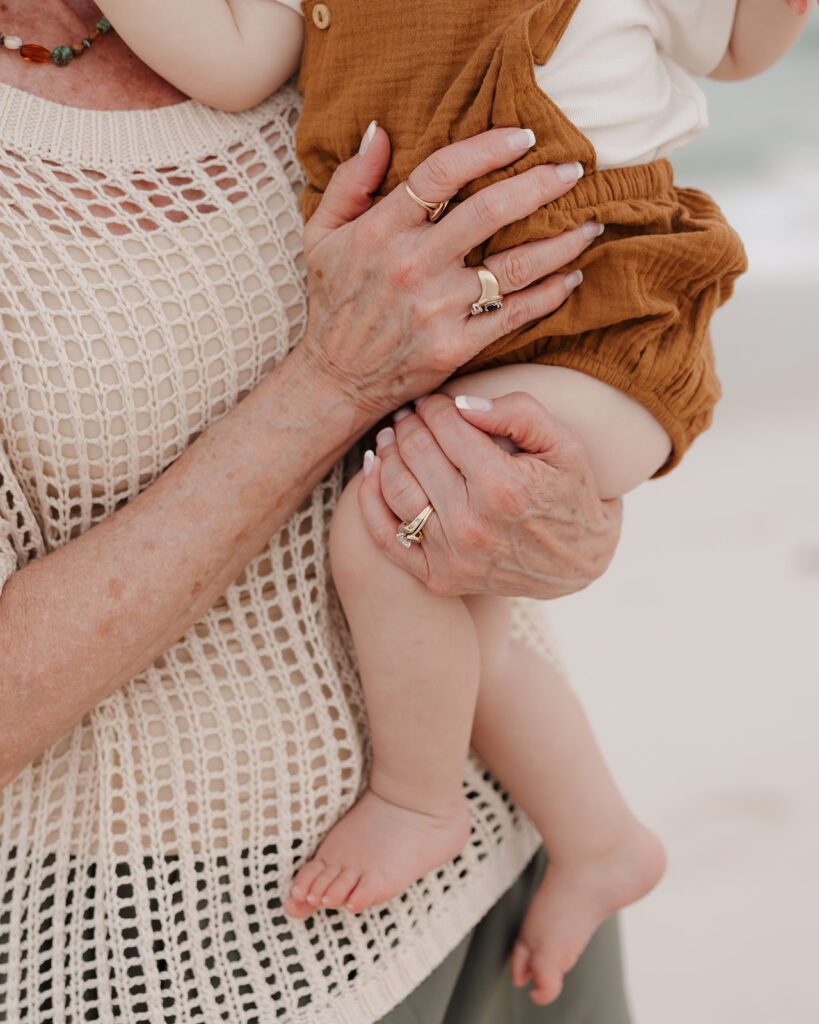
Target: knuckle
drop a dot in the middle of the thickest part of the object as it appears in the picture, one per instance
(403, 492)
(518, 269)
(547, 181)
(486, 206)
(437, 173)
(415, 444)
(519, 312)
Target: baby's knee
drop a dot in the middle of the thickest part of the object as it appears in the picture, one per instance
(352, 549)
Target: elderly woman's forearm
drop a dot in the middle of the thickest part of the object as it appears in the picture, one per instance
(80, 622)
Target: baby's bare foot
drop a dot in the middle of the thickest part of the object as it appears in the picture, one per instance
(573, 899)
(375, 852)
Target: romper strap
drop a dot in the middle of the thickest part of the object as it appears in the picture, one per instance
(547, 25)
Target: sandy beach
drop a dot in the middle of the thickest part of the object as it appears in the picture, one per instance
(696, 655)
(696, 660)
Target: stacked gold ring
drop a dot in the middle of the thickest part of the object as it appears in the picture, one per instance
(411, 533)
(434, 210)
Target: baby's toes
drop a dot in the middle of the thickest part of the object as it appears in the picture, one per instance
(520, 965)
(364, 895)
(297, 908)
(304, 879)
(322, 882)
(547, 983)
(338, 892)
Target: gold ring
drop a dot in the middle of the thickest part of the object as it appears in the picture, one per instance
(434, 210)
(411, 533)
(491, 298)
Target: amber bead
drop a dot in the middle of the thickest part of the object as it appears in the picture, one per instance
(34, 53)
(77, 49)
(95, 35)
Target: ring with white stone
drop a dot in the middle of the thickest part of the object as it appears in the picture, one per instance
(411, 533)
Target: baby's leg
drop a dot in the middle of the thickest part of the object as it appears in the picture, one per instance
(530, 728)
(532, 733)
(418, 658)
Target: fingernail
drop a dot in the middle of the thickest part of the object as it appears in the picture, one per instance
(367, 138)
(573, 280)
(591, 229)
(384, 437)
(401, 414)
(369, 462)
(419, 400)
(569, 172)
(473, 402)
(523, 138)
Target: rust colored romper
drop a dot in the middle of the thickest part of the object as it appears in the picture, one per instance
(434, 72)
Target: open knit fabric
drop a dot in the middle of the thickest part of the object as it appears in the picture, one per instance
(150, 276)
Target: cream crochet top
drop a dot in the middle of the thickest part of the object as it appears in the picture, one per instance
(150, 276)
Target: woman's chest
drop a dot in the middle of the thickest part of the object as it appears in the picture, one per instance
(136, 310)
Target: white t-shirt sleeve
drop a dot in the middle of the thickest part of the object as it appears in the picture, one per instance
(695, 33)
(294, 5)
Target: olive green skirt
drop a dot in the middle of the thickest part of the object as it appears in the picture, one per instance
(472, 985)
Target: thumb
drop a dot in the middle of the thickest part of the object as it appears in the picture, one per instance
(349, 192)
(524, 420)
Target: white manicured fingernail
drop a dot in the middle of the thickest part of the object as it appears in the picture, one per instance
(369, 462)
(401, 414)
(523, 138)
(367, 138)
(573, 280)
(473, 402)
(384, 437)
(591, 229)
(420, 399)
(569, 172)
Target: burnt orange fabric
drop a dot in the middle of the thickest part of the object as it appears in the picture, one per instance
(434, 72)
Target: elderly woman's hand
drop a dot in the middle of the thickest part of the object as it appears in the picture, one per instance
(390, 295)
(527, 523)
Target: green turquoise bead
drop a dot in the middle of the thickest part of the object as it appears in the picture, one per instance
(103, 25)
(62, 55)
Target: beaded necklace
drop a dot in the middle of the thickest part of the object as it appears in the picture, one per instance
(60, 55)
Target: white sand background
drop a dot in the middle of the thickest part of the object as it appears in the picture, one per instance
(697, 654)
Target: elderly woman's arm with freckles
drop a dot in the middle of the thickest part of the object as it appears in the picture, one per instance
(80, 622)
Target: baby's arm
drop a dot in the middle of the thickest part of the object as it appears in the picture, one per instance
(624, 443)
(764, 31)
(230, 54)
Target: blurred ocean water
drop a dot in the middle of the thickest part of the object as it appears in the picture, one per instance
(760, 160)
